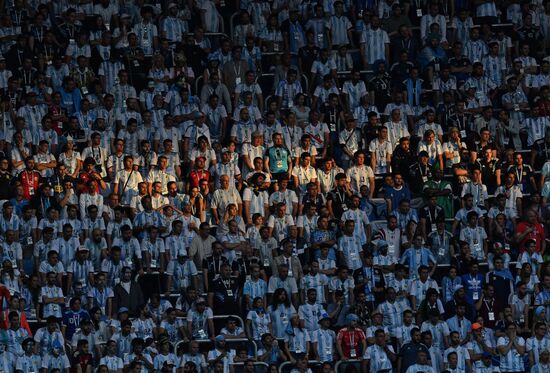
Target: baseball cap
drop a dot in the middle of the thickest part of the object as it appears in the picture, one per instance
(351, 317)
(476, 326)
(324, 317)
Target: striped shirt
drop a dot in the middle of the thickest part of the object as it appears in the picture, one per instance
(375, 42)
(350, 247)
(109, 70)
(255, 289)
(494, 68)
(319, 27)
(129, 248)
(182, 273)
(462, 355)
(486, 9)
(339, 26)
(325, 339)
(439, 331)
(174, 28)
(427, 20)
(418, 289)
(297, 37)
(513, 360)
(474, 50)
(354, 92)
(146, 32)
(536, 127)
(81, 272)
(393, 315)
(537, 346)
(288, 92)
(257, 202)
(462, 28)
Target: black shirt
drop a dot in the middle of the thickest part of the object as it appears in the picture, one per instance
(319, 201)
(381, 85)
(462, 121)
(399, 73)
(339, 202)
(461, 263)
(5, 181)
(225, 296)
(488, 173)
(542, 149)
(418, 175)
(332, 117)
(530, 35)
(432, 215)
(408, 354)
(213, 265)
(308, 54)
(242, 266)
(401, 161)
(459, 62)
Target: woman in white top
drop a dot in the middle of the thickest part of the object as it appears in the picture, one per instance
(71, 159)
(301, 110)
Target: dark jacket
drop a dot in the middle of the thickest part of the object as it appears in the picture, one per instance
(131, 301)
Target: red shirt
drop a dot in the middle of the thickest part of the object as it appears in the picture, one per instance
(197, 175)
(4, 297)
(30, 180)
(56, 110)
(83, 360)
(349, 339)
(538, 235)
(22, 321)
(84, 178)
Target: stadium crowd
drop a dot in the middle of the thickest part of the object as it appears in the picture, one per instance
(222, 186)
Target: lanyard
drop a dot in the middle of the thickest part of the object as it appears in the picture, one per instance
(226, 284)
(442, 238)
(430, 216)
(40, 34)
(352, 340)
(519, 174)
(27, 81)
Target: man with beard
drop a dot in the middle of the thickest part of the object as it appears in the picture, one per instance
(402, 157)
